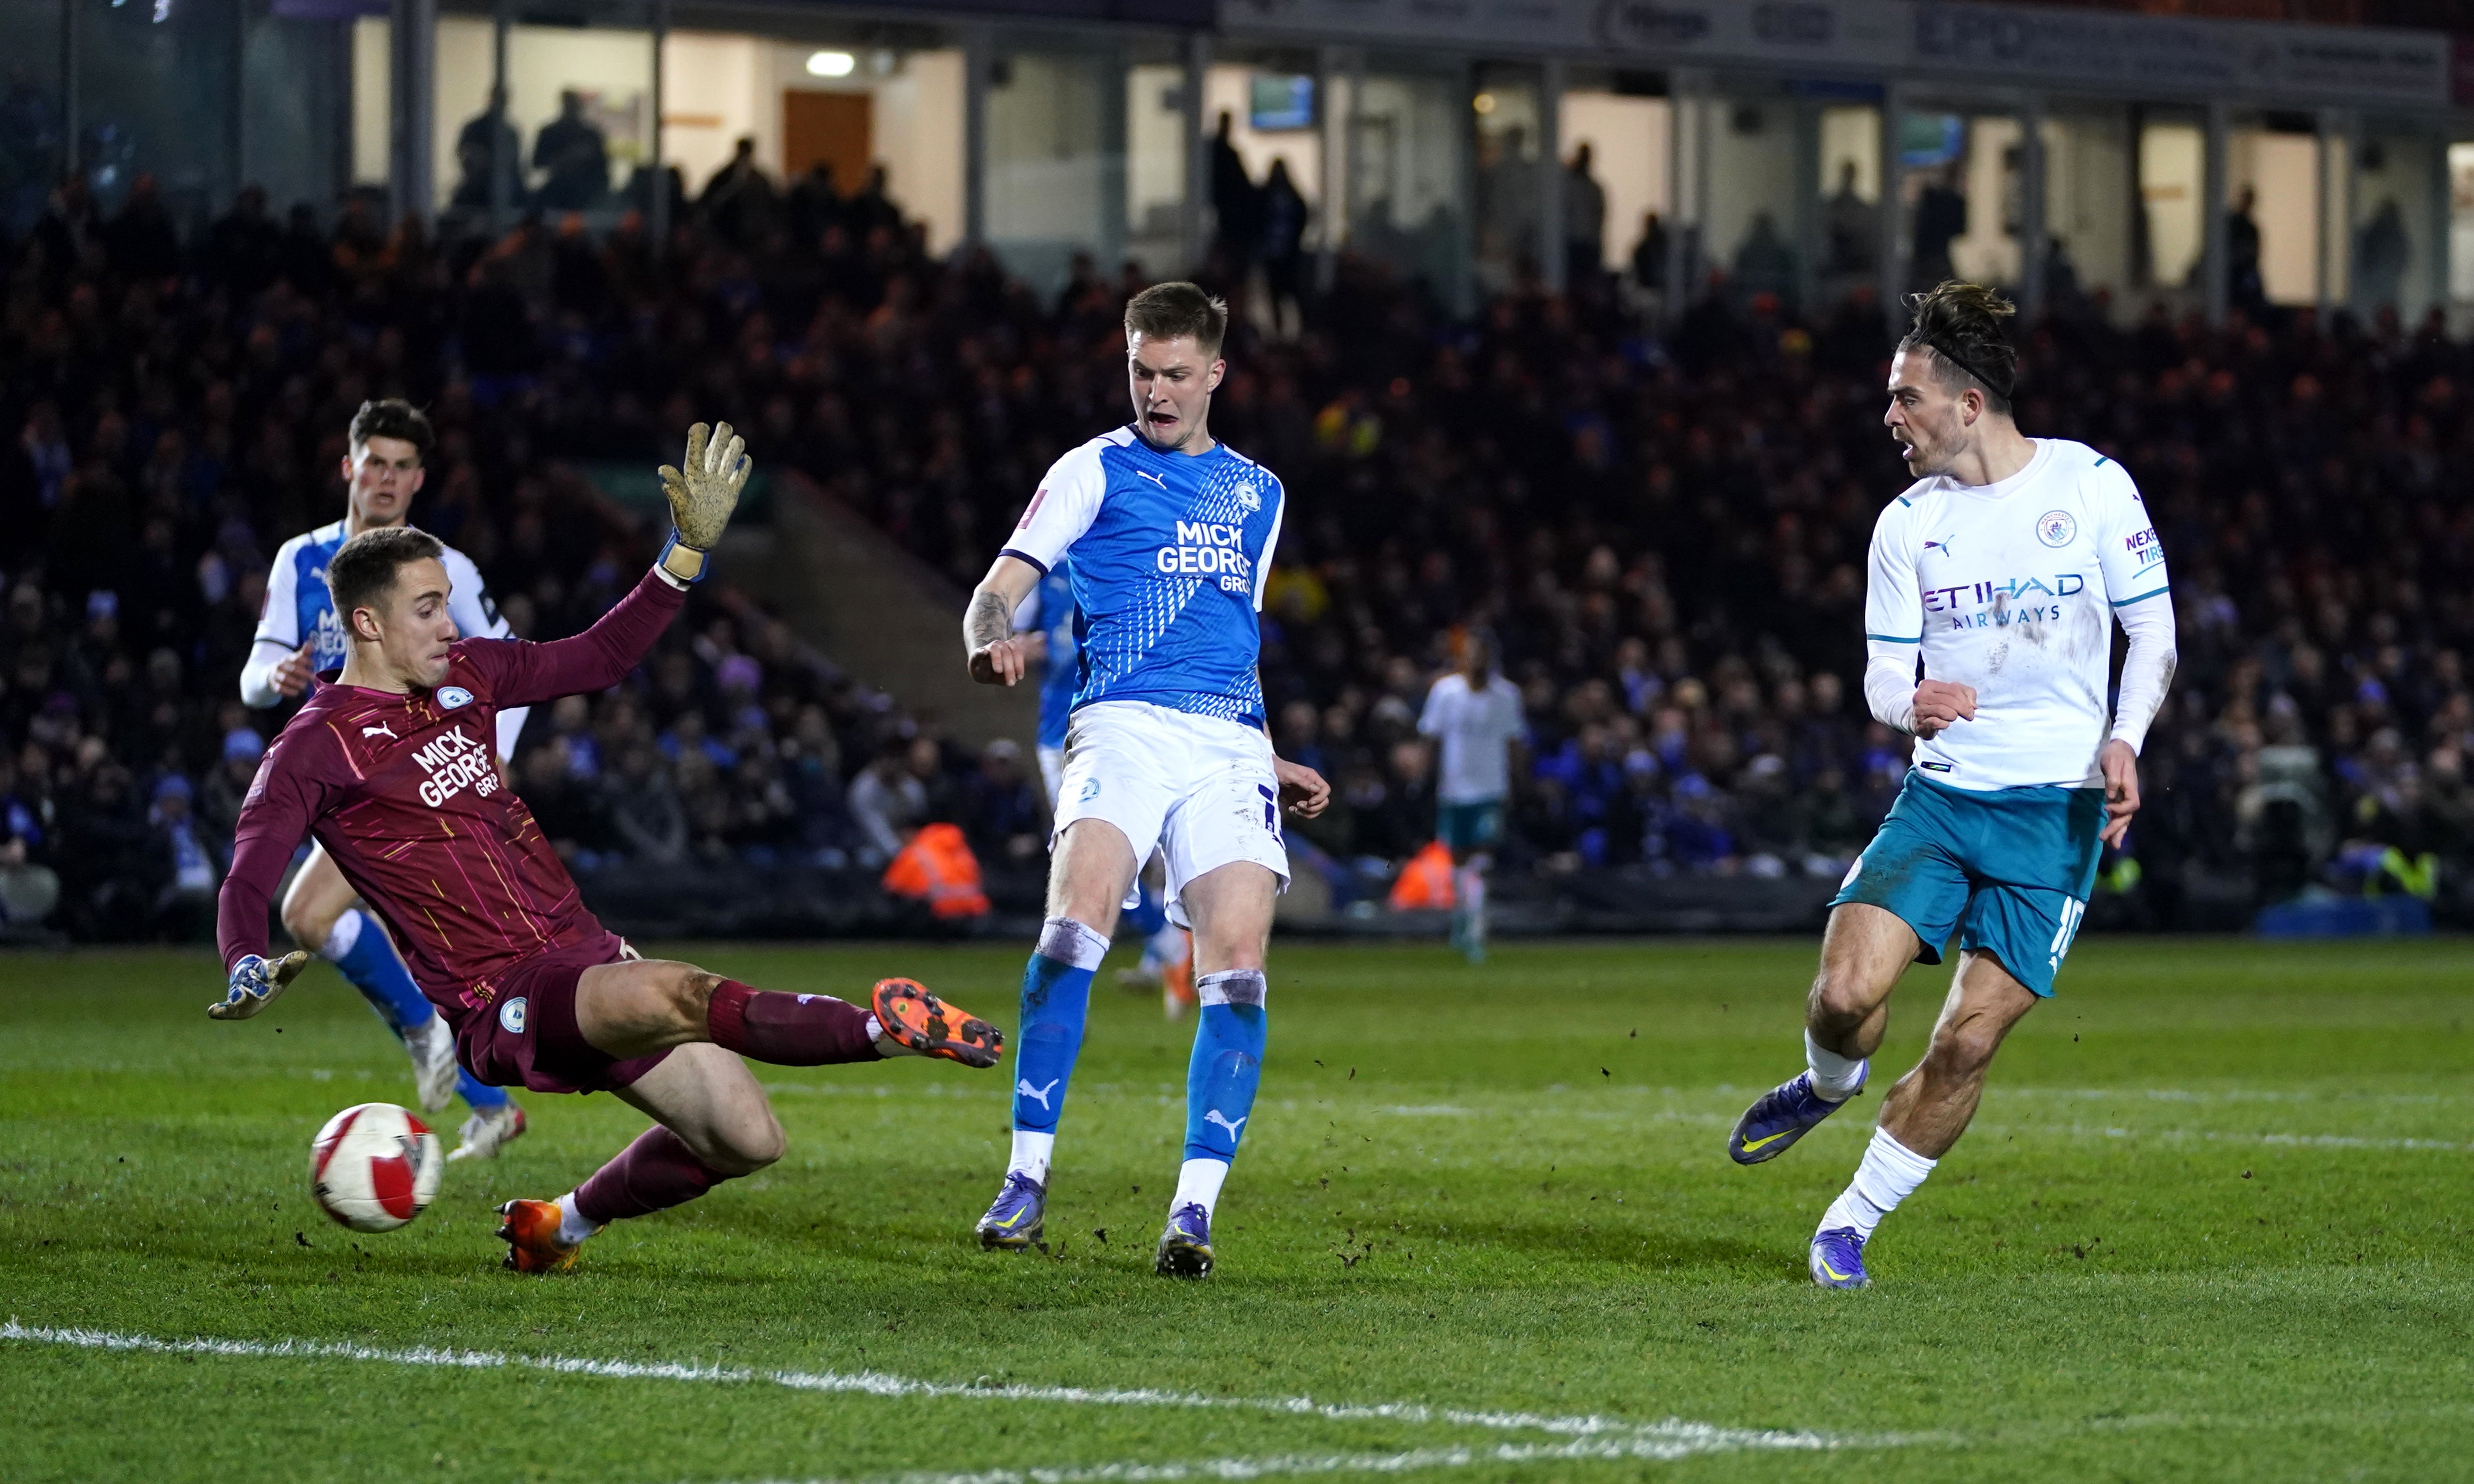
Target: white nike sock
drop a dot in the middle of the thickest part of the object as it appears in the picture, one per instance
(1834, 1077)
(1198, 1183)
(1031, 1153)
(1890, 1173)
(886, 1045)
(572, 1228)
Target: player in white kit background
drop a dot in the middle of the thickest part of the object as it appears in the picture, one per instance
(1171, 535)
(299, 638)
(2000, 572)
(1474, 716)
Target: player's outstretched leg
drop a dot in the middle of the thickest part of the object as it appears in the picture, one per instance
(1923, 1116)
(1862, 954)
(1219, 1084)
(1055, 1004)
(715, 1123)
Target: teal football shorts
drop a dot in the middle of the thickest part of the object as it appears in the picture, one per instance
(2009, 870)
(1469, 826)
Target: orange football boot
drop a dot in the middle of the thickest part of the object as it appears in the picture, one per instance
(1176, 982)
(926, 1024)
(530, 1230)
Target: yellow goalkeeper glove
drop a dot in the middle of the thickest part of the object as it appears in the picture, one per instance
(702, 498)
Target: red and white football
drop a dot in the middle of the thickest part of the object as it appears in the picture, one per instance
(374, 1167)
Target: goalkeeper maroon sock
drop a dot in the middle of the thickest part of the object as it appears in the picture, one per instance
(788, 1030)
(654, 1173)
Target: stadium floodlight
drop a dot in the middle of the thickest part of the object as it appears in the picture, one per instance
(831, 64)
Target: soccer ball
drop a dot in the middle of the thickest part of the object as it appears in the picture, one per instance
(373, 1166)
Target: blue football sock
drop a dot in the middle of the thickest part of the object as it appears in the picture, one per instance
(1055, 1000)
(359, 949)
(1149, 915)
(479, 1096)
(1227, 1062)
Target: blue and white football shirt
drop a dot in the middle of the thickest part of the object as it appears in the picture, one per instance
(299, 608)
(1168, 553)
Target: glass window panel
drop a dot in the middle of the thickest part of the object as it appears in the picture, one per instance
(1057, 162)
(2273, 177)
(1230, 93)
(1507, 183)
(2173, 188)
(157, 95)
(372, 101)
(1156, 168)
(2460, 223)
(1753, 193)
(1627, 137)
(2396, 231)
(1850, 199)
(2088, 194)
(580, 101)
(1408, 206)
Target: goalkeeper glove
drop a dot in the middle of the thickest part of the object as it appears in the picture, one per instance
(701, 498)
(255, 982)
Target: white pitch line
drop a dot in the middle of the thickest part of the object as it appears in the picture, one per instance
(1678, 1441)
(877, 1383)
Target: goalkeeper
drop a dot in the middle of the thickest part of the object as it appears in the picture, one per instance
(391, 771)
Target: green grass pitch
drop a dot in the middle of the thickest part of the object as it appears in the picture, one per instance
(2211, 1222)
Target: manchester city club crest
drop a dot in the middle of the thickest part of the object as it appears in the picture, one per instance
(449, 697)
(2056, 527)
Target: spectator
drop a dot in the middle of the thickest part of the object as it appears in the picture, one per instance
(644, 811)
(739, 200)
(1003, 816)
(488, 155)
(1585, 221)
(887, 802)
(29, 888)
(575, 156)
(184, 904)
(1236, 204)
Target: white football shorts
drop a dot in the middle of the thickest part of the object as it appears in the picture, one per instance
(1198, 789)
(1051, 771)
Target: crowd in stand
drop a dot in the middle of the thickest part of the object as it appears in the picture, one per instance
(1664, 533)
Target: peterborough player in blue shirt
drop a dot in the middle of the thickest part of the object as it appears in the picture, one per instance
(1170, 534)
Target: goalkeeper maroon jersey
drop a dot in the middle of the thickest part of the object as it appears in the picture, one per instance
(404, 792)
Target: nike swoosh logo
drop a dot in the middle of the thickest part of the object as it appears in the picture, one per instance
(1009, 1220)
(1834, 1273)
(1752, 1144)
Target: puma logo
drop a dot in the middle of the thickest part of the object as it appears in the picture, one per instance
(381, 729)
(1234, 1129)
(1144, 473)
(1023, 1086)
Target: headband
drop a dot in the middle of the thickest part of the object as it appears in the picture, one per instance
(2000, 386)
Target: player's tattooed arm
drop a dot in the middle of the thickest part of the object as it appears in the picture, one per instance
(996, 655)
